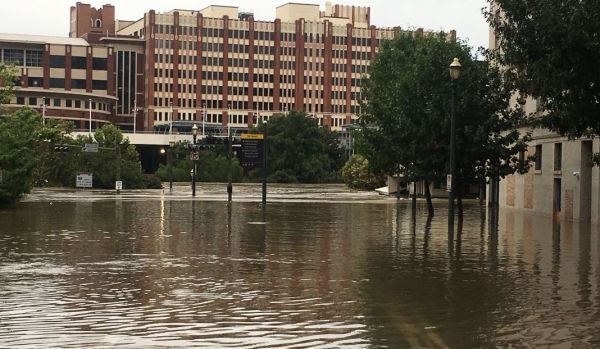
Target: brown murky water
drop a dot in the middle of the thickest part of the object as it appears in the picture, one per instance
(321, 267)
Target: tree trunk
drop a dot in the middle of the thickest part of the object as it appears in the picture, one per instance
(428, 198)
(414, 199)
(459, 196)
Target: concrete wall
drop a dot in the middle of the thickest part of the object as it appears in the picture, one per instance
(579, 182)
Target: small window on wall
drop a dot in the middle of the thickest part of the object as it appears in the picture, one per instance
(557, 156)
(78, 62)
(35, 82)
(78, 104)
(538, 157)
(57, 83)
(21, 100)
(69, 103)
(56, 102)
(78, 84)
(57, 61)
(32, 101)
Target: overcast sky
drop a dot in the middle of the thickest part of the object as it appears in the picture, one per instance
(51, 17)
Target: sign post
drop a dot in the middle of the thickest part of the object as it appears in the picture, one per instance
(254, 154)
(84, 180)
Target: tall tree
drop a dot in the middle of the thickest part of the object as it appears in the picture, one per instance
(19, 133)
(301, 151)
(550, 50)
(406, 121)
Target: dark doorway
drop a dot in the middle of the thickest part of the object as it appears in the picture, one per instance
(585, 182)
(557, 197)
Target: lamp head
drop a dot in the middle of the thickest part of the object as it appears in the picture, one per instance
(455, 67)
(195, 129)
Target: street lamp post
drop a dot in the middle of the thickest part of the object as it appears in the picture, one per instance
(264, 174)
(90, 107)
(229, 155)
(170, 164)
(454, 76)
(194, 152)
(203, 119)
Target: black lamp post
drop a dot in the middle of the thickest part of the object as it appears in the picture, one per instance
(195, 156)
(170, 164)
(454, 76)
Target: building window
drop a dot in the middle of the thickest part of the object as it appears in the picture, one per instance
(21, 100)
(78, 104)
(35, 82)
(13, 56)
(99, 63)
(538, 157)
(57, 61)
(557, 156)
(56, 102)
(32, 101)
(78, 84)
(33, 58)
(78, 62)
(69, 103)
(99, 84)
(57, 83)
(97, 23)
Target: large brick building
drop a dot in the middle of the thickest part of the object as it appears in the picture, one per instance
(178, 66)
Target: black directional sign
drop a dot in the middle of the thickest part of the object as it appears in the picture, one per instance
(252, 150)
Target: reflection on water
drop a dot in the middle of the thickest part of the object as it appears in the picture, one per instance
(158, 272)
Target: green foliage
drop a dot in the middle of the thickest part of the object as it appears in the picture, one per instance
(356, 174)
(405, 127)
(8, 78)
(300, 151)
(61, 168)
(19, 134)
(213, 166)
(550, 50)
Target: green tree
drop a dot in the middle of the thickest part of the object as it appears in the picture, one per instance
(212, 165)
(405, 126)
(19, 134)
(119, 155)
(357, 175)
(550, 50)
(300, 151)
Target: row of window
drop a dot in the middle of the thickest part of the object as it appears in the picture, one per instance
(22, 57)
(80, 84)
(258, 35)
(538, 157)
(57, 102)
(78, 62)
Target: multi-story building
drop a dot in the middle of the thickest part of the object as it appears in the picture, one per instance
(217, 65)
(562, 181)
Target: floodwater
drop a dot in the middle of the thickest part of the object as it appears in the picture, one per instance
(320, 267)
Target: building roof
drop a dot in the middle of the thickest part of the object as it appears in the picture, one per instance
(42, 39)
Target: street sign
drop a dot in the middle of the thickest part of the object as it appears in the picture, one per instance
(194, 155)
(448, 183)
(119, 185)
(252, 150)
(90, 148)
(84, 180)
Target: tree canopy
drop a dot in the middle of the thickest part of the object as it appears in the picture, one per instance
(550, 50)
(301, 151)
(405, 125)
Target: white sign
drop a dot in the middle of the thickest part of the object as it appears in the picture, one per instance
(411, 188)
(90, 148)
(449, 183)
(119, 185)
(84, 180)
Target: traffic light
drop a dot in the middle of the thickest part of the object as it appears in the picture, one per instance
(61, 148)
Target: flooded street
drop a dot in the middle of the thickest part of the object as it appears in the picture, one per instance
(320, 267)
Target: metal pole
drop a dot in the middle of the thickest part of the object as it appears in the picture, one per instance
(135, 110)
(90, 105)
(171, 119)
(44, 111)
(452, 162)
(118, 165)
(229, 156)
(264, 183)
(195, 167)
(203, 120)
(170, 168)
